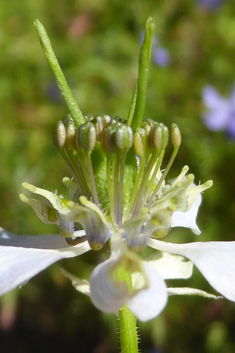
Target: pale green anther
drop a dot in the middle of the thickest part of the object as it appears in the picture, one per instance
(150, 122)
(107, 138)
(141, 142)
(165, 136)
(155, 137)
(187, 182)
(105, 118)
(118, 120)
(103, 141)
(59, 135)
(88, 117)
(175, 135)
(124, 137)
(95, 245)
(100, 122)
(70, 135)
(86, 136)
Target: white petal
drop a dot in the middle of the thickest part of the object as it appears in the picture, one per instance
(188, 219)
(170, 266)
(80, 284)
(148, 303)
(22, 257)
(107, 294)
(215, 260)
(190, 291)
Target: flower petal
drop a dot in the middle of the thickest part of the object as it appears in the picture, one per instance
(22, 257)
(190, 291)
(106, 294)
(148, 303)
(188, 219)
(170, 266)
(149, 294)
(215, 260)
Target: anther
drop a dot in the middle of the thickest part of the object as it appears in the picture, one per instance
(124, 137)
(107, 138)
(86, 136)
(70, 135)
(165, 136)
(59, 135)
(88, 117)
(155, 137)
(175, 135)
(141, 142)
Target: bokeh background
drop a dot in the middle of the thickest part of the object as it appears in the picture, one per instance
(97, 44)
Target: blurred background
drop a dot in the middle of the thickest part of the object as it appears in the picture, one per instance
(97, 44)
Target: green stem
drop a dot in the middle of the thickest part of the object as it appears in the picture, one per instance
(60, 79)
(132, 106)
(144, 59)
(127, 320)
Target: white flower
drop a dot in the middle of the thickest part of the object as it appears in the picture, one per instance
(22, 257)
(127, 205)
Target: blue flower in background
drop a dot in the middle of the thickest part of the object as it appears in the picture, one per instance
(210, 4)
(160, 55)
(221, 111)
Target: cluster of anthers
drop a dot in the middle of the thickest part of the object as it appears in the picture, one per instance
(110, 194)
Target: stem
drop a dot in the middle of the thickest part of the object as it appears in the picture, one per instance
(92, 179)
(59, 76)
(144, 59)
(132, 106)
(127, 320)
(109, 174)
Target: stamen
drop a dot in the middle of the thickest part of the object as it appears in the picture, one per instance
(124, 141)
(176, 141)
(59, 138)
(86, 138)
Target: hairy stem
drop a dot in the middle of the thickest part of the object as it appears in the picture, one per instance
(127, 320)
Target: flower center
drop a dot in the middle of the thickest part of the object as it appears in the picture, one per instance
(115, 167)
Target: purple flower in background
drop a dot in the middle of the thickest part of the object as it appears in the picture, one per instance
(221, 111)
(210, 4)
(160, 55)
